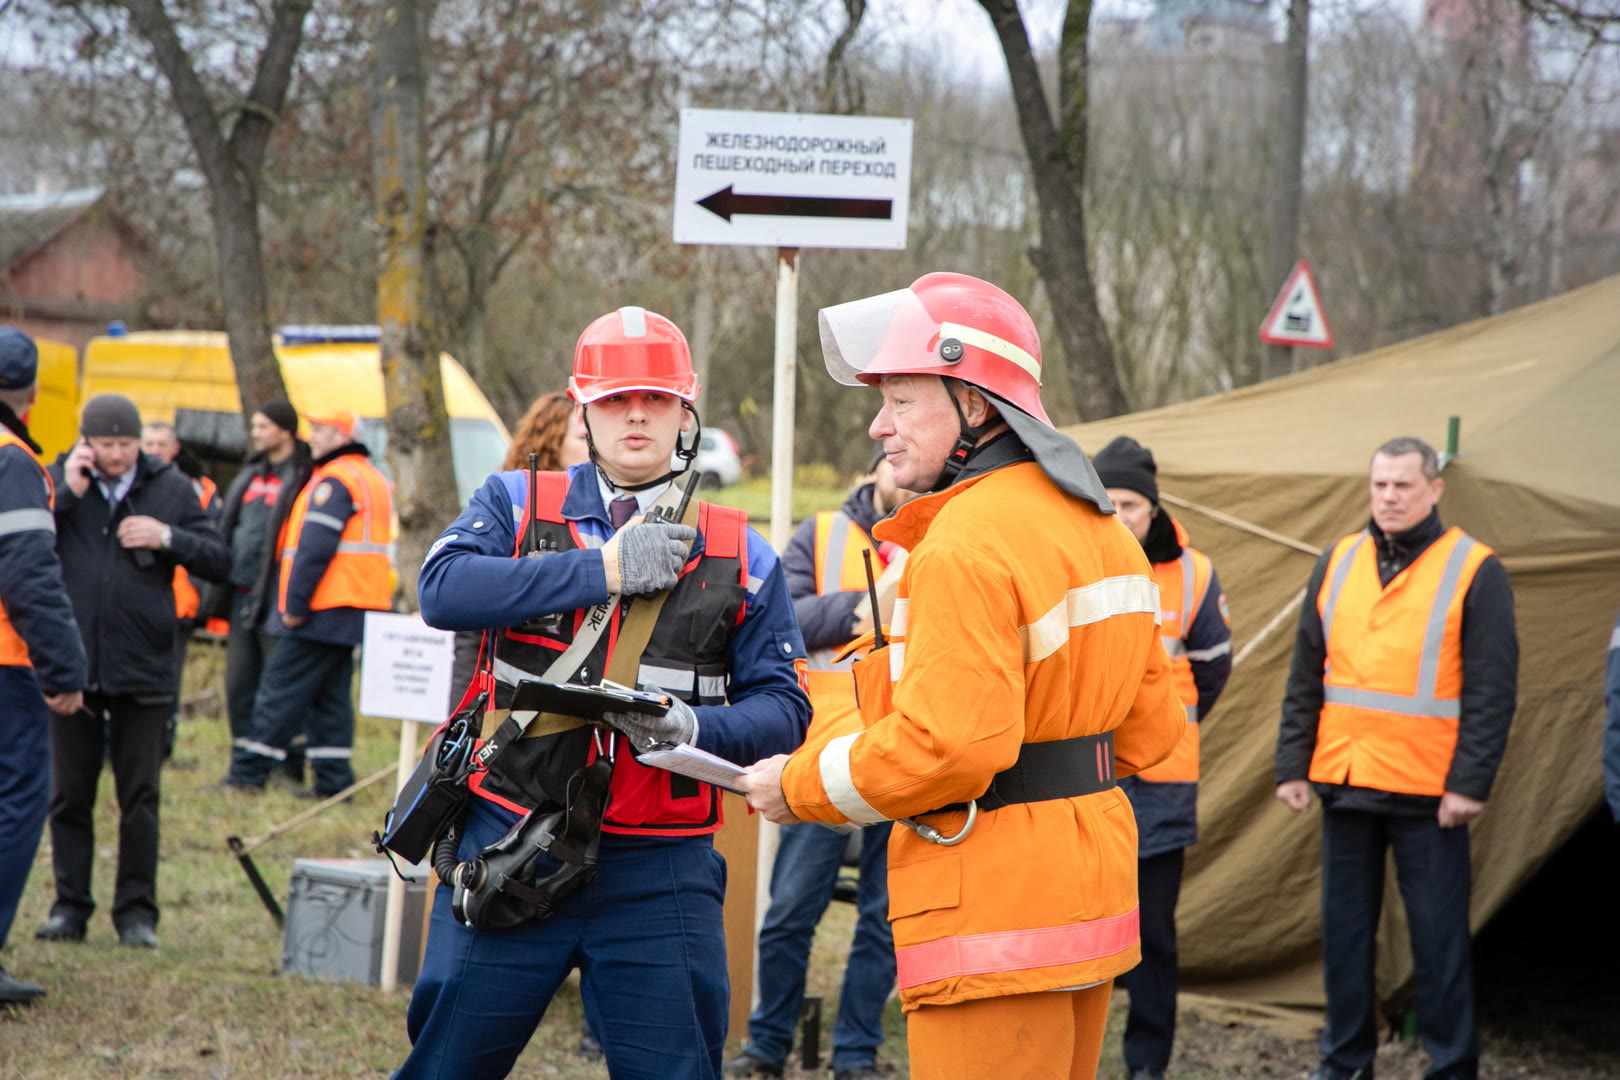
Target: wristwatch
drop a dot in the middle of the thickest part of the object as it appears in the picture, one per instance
(168, 536)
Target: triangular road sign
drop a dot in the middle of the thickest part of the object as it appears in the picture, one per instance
(1296, 316)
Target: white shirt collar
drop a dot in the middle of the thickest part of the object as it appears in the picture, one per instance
(114, 489)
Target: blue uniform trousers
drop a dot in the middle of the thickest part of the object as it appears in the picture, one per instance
(306, 687)
(1150, 1025)
(25, 783)
(1431, 867)
(646, 935)
(802, 881)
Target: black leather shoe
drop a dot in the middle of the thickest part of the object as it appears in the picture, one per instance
(860, 1072)
(13, 991)
(60, 928)
(746, 1064)
(1325, 1071)
(137, 936)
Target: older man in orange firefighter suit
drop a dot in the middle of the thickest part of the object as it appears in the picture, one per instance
(1023, 674)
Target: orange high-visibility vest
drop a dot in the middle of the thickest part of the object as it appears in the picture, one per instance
(839, 568)
(185, 593)
(13, 650)
(1393, 680)
(1183, 585)
(360, 573)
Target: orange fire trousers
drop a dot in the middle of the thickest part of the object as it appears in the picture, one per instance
(1048, 1036)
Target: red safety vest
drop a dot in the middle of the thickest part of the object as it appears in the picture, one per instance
(13, 650)
(1393, 680)
(686, 656)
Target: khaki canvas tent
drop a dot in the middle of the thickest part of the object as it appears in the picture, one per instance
(1537, 477)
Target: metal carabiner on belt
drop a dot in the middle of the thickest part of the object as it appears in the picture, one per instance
(934, 836)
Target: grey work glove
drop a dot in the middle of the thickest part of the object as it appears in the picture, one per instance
(651, 556)
(644, 731)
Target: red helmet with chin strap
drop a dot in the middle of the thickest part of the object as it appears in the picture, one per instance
(950, 325)
(632, 349)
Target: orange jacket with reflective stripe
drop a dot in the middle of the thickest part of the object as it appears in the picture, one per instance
(839, 568)
(13, 650)
(1024, 615)
(360, 573)
(185, 593)
(1183, 585)
(1393, 679)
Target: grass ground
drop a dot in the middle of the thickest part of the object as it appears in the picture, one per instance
(212, 1003)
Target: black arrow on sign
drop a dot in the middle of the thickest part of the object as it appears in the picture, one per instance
(726, 202)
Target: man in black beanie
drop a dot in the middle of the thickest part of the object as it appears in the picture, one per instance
(124, 521)
(254, 506)
(1198, 636)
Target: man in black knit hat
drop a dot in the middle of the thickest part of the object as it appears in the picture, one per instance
(124, 521)
(1198, 636)
(254, 507)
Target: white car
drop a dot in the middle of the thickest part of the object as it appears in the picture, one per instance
(717, 459)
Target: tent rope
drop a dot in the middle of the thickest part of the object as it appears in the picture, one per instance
(1239, 523)
(1266, 630)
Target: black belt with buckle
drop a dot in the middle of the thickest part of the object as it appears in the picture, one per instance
(1059, 769)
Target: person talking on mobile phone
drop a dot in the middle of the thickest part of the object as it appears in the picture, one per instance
(124, 521)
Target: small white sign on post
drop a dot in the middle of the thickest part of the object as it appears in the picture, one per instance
(1296, 316)
(793, 180)
(405, 668)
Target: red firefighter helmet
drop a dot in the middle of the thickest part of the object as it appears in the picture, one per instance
(950, 325)
(632, 349)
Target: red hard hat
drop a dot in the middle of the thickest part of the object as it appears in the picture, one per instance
(632, 349)
(944, 324)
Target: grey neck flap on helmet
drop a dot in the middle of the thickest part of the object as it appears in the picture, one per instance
(1059, 456)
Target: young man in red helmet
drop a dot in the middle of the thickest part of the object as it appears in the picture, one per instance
(549, 579)
(1022, 675)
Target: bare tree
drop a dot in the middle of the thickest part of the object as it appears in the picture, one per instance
(230, 141)
(1057, 159)
(418, 425)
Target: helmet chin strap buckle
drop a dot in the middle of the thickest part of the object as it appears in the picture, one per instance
(967, 440)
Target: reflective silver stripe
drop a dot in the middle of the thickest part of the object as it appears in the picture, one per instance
(1174, 646)
(510, 674)
(1192, 714)
(1435, 634)
(834, 763)
(832, 557)
(897, 660)
(1614, 639)
(16, 521)
(711, 686)
(316, 753)
(1404, 704)
(1340, 573)
(897, 621)
(822, 660)
(667, 678)
(1187, 580)
(361, 547)
(260, 749)
(324, 519)
(1211, 653)
(755, 584)
(1123, 595)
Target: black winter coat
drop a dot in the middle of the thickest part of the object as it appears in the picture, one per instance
(123, 599)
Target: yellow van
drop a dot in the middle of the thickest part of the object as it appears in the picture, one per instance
(186, 378)
(54, 419)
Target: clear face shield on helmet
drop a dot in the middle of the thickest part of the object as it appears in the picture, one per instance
(892, 332)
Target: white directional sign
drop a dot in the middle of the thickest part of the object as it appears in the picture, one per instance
(406, 668)
(792, 180)
(1296, 316)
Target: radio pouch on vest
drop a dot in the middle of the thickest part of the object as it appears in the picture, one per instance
(433, 796)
